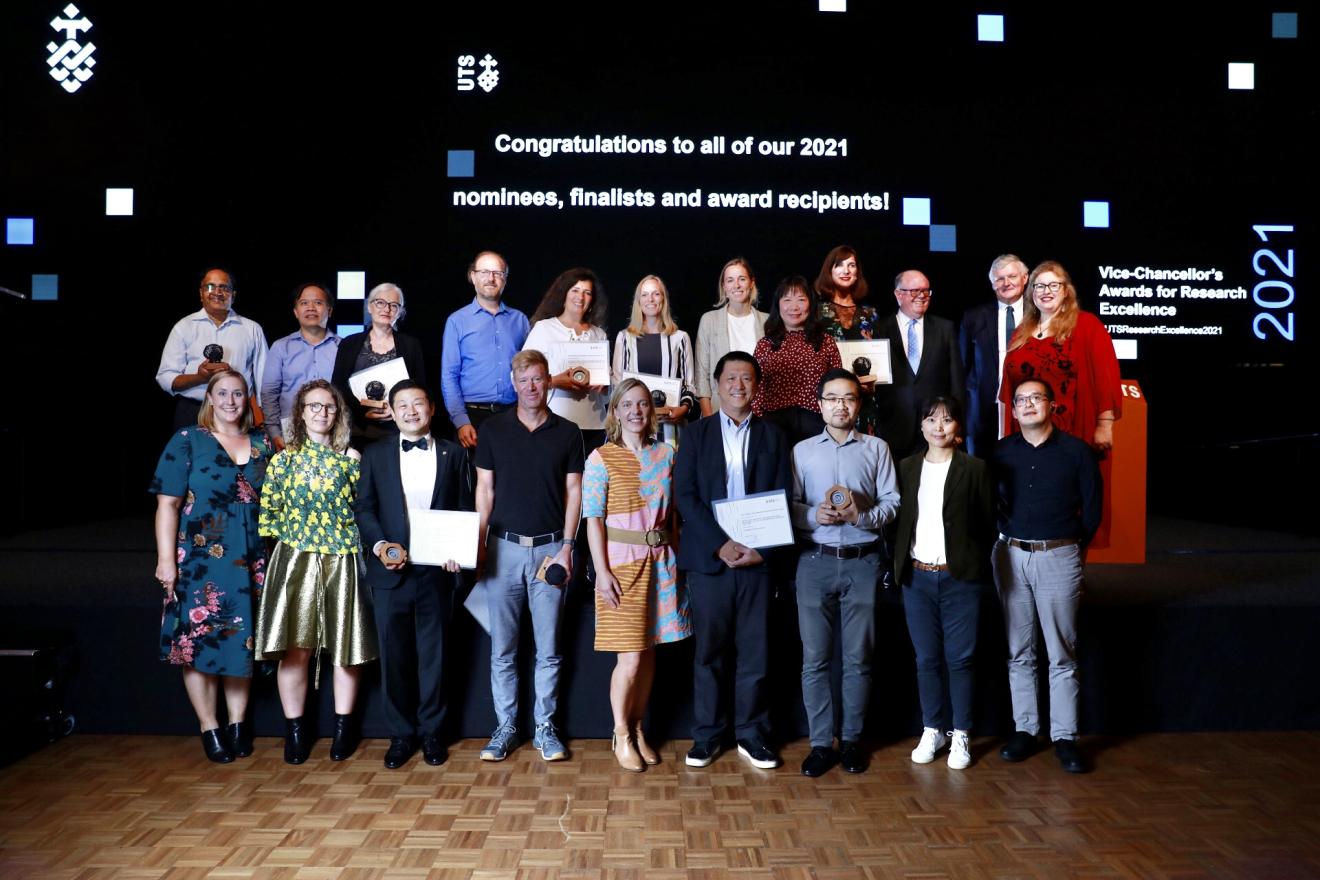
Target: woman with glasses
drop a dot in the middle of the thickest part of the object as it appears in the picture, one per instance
(794, 353)
(735, 324)
(379, 343)
(653, 345)
(841, 287)
(311, 601)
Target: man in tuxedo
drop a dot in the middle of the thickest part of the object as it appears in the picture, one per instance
(983, 342)
(924, 355)
(412, 602)
(729, 455)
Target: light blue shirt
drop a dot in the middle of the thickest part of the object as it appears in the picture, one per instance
(292, 363)
(476, 356)
(242, 339)
(862, 464)
(735, 438)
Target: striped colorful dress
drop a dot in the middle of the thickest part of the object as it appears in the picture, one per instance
(634, 490)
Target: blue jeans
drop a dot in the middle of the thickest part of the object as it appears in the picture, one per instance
(942, 614)
(509, 585)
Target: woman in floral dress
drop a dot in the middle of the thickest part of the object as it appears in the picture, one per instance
(627, 500)
(312, 601)
(210, 559)
(842, 287)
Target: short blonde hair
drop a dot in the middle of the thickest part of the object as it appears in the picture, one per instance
(206, 415)
(613, 427)
(528, 357)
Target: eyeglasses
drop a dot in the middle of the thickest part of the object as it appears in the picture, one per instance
(917, 292)
(381, 305)
(1051, 286)
(212, 288)
(490, 273)
(1024, 399)
(316, 407)
(850, 399)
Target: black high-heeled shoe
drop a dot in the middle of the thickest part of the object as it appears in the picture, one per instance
(346, 738)
(297, 741)
(213, 744)
(240, 738)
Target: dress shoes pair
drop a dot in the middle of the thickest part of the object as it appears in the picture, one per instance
(1022, 745)
(850, 756)
(402, 748)
(215, 747)
(239, 735)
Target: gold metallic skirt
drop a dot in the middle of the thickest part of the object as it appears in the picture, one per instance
(313, 600)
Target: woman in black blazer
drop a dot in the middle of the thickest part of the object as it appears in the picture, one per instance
(946, 528)
(380, 342)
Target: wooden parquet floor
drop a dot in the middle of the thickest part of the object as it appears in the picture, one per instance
(1163, 806)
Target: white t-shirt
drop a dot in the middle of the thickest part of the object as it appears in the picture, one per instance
(587, 412)
(742, 332)
(928, 539)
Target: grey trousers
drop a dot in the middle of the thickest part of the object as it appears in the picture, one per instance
(834, 592)
(1043, 586)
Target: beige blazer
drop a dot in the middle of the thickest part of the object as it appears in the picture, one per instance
(713, 344)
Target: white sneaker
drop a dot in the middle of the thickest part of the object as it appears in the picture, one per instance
(960, 755)
(932, 741)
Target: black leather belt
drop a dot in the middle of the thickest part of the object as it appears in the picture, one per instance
(489, 407)
(847, 551)
(531, 540)
(1039, 546)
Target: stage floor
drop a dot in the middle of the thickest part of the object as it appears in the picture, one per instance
(1223, 806)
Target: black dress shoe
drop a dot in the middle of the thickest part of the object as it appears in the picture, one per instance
(1020, 746)
(213, 744)
(1070, 756)
(346, 738)
(240, 738)
(297, 740)
(853, 758)
(434, 751)
(758, 754)
(400, 750)
(818, 763)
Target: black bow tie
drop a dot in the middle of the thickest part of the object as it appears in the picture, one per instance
(420, 444)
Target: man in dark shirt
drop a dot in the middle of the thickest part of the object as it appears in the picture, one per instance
(529, 494)
(1049, 509)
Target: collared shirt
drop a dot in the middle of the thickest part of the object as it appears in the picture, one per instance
(903, 322)
(417, 473)
(1000, 327)
(474, 361)
(863, 465)
(292, 363)
(243, 342)
(1047, 491)
(736, 438)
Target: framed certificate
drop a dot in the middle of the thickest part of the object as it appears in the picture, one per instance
(594, 357)
(758, 521)
(867, 359)
(438, 536)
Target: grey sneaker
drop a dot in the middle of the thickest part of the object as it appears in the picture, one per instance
(547, 740)
(501, 743)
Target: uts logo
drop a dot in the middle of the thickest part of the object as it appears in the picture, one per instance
(71, 64)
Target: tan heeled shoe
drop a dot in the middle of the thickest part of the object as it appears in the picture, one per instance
(649, 755)
(625, 752)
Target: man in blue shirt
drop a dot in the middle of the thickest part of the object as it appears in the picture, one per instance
(480, 341)
(298, 358)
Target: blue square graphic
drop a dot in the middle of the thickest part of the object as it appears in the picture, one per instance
(1284, 26)
(462, 163)
(343, 330)
(18, 230)
(944, 239)
(916, 212)
(46, 287)
(990, 28)
(1095, 215)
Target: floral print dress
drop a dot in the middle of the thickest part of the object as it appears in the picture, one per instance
(864, 321)
(208, 623)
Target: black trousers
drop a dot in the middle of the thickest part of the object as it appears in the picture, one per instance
(730, 615)
(411, 620)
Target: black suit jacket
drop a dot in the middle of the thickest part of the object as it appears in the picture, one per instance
(382, 509)
(969, 517)
(346, 365)
(978, 343)
(941, 374)
(699, 474)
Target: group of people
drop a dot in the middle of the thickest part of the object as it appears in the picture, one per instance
(874, 473)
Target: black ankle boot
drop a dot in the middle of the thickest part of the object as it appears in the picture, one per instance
(213, 744)
(346, 739)
(240, 738)
(297, 741)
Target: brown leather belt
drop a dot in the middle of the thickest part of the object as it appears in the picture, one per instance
(1039, 546)
(648, 538)
(926, 566)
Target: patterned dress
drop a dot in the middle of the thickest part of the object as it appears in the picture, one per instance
(634, 490)
(865, 320)
(207, 623)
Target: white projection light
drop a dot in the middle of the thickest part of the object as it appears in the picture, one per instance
(1241, 75)
(118, 202)
(833, 5)
(351, 285)
(990, 28)
(70, 62)
(1125, 349)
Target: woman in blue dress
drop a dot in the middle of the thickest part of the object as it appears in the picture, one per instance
(210, 560)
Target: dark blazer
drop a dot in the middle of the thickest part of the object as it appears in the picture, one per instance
(346, 365)
(941, 373)
(978, 344)
(969, 517)
(699, 473)
(382, 509)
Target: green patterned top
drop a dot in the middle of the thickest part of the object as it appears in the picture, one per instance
(307, 500)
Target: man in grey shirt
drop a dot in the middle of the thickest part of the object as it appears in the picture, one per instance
(844, 492)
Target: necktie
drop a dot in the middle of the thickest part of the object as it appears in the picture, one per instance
(420, 444)
(914, 355)
(1010, 324)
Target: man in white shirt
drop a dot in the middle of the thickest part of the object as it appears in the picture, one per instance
(983, 342)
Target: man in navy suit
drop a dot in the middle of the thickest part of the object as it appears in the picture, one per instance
(983, 342)
(924, 356)
(728, 455)
(412, 602)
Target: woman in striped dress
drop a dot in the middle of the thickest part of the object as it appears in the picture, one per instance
(627, 499)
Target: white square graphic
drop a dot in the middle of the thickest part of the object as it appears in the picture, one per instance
(833, 5)
(1125, 349)
(990, 28)
(1241, 75)
(118, 202)
(351, 285)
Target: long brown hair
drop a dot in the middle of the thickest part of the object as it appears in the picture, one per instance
(1065, 319)
(825, 285)
(298, 430)
(552, 304)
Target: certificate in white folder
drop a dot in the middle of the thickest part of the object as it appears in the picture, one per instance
(438, 536)
(593, 355)
(389, 373)
(759, 521)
